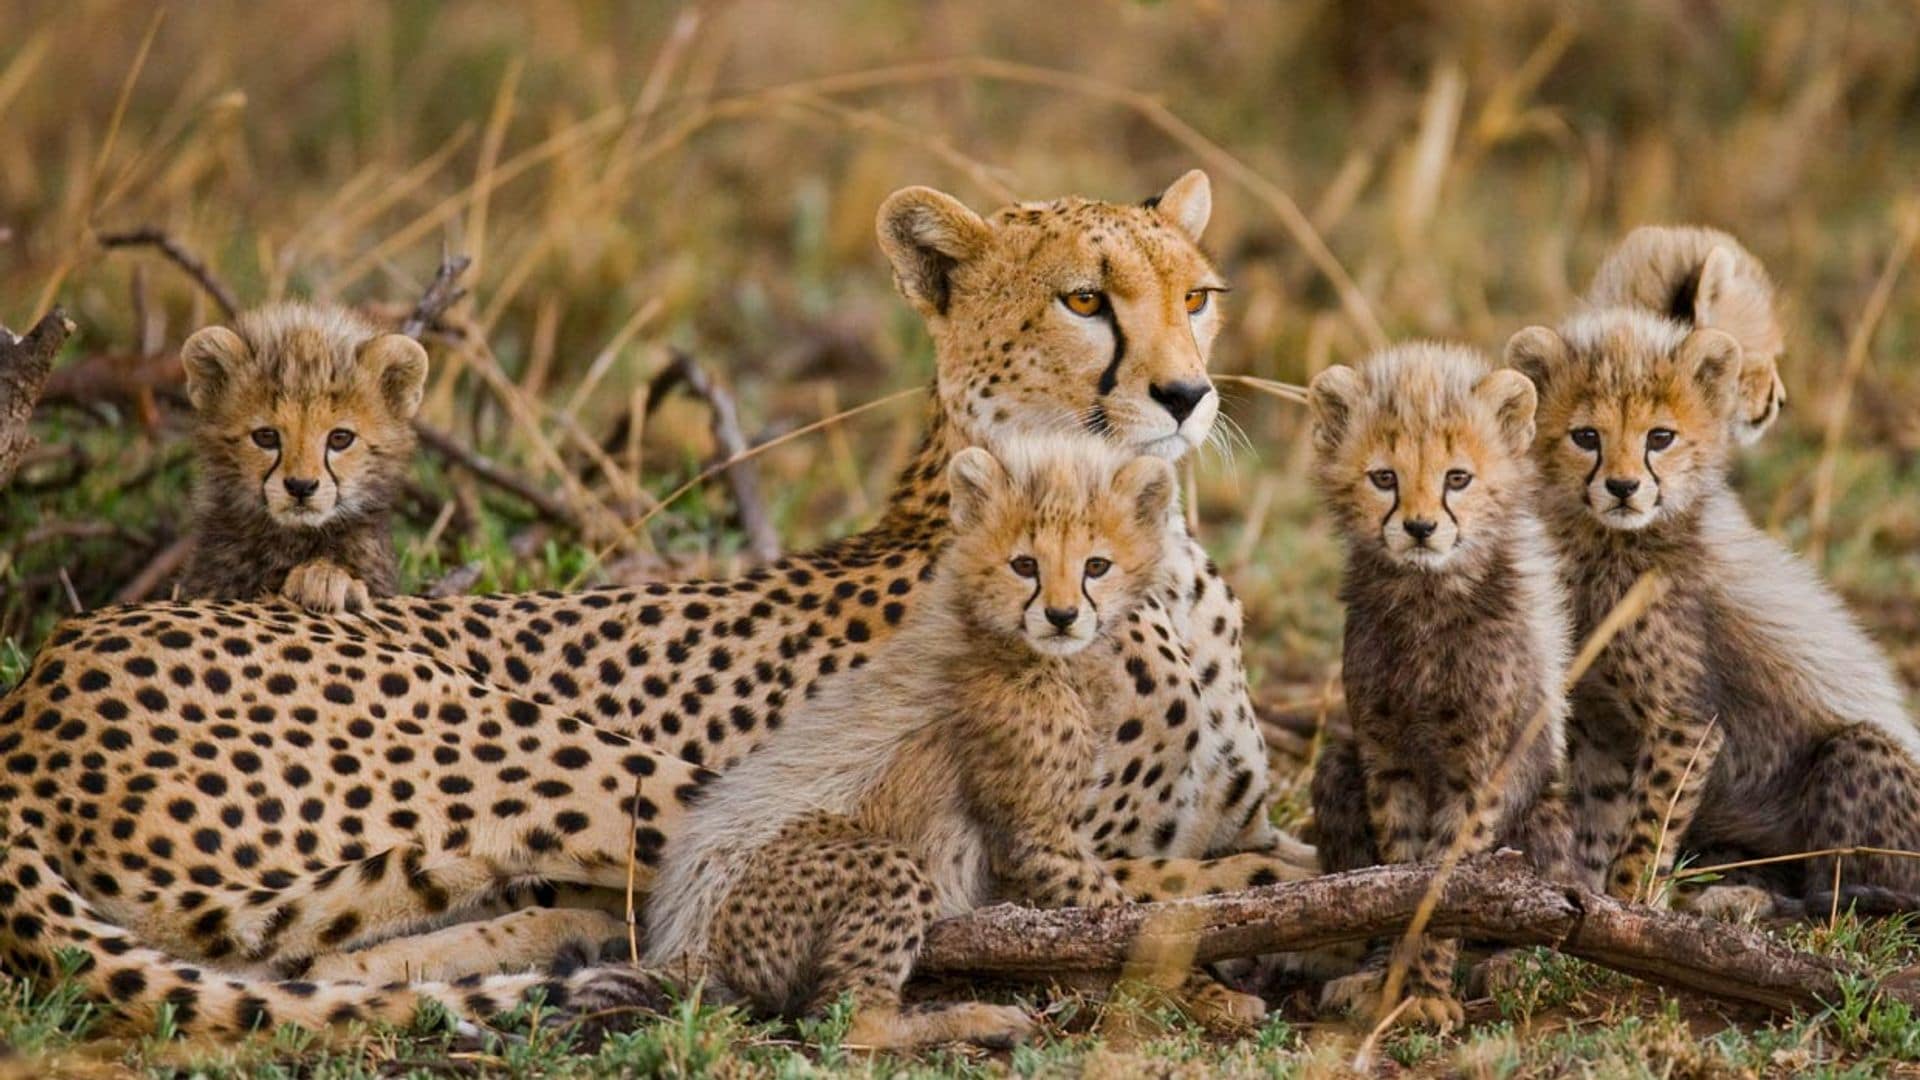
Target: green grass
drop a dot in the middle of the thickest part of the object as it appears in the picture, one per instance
(285, 158)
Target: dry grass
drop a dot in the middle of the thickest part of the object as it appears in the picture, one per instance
(634, 177)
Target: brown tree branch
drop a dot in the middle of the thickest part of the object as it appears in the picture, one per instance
(1491, 897)
(195, 268)
(24, 365)
(442, 293)
(499, 476)
(743, 477)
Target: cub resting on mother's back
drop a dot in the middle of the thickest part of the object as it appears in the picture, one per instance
(303, 426)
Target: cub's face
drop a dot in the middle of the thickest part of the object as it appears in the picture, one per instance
(1635, 416)
(1420, 452)
(1073, 315)
(1056, 552)
(304, 429)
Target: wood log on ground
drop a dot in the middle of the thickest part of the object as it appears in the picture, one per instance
(1492, 897)
(24, 365)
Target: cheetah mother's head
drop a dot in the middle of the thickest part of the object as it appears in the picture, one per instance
(1069, 315)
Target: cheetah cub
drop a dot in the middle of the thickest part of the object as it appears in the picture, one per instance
(1744, 708)
(1456, 634)
(1703, 278)
(303, 430)
(944, 774)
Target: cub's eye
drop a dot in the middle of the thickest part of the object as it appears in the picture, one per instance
(1384, 479)
(1585, 438)
(1097, 566)
(1197, 300)
(339, 439)
(1660, 438)
(1026, 566)
(1458, 479)
(266, 438)
(1086, 303)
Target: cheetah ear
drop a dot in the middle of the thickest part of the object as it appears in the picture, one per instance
(1187, 202)
(1712, 358)
(926, 234)
(400, 364)
(1536, 352)
(1513, 399)
(973, 477)
(1713, 285)
(1149, 483)
(210, 356)
(1333, 395)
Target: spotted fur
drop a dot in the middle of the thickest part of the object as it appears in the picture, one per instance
(244, 788)
(302, 427)
(1456, 633)
(1745, 709)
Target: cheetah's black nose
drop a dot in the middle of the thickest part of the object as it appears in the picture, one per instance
(1622, 486)
(1062, 617)
(1180, 398)
(300, 489)
(1419, 529)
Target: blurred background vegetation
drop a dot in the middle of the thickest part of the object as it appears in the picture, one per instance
(632, 179)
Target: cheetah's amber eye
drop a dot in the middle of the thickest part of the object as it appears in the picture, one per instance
(1458, 479)
(1086, 303)
(339, 439)
(1098, 566)
(1660, 438)
(1384, 479)
(1026, 566)
(266, 438)
(1585, 438)
(1197, 300)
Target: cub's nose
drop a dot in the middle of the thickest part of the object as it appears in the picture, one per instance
(1180, 398)
(1418, 529)
(1622, 487)
(300, 489)
(1062, 617)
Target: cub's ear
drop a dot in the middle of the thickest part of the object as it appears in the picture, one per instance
(1537, 352)
(974, 476)
(400, 364)
(1513, 399)
(1187, 202)
(1150, 484)
(1333, 395)
(210, 356)
(1712, 359)
(1715, 282)
(926, 234)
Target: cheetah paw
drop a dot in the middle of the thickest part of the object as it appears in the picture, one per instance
(325, 588)
(1217, 1007)
(1732, 903)
(1357, 994)
(1500, 973)
(1441, 1011)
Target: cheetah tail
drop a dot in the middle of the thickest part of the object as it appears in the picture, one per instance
(47, 927)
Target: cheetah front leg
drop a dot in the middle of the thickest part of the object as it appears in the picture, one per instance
(324, 587)
(1398, 809)
(1668, 783)
(525, 940)
(1049, 867)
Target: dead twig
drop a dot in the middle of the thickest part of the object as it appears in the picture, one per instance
(743, 477)
(24, 365)
(1492, 897)
(176, 253)
(456, 582)
(442, 293)
(159, 569)
(484, 467)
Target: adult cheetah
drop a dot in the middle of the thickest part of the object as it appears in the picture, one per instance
(234, 808)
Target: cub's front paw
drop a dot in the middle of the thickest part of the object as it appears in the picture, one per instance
(324, 588)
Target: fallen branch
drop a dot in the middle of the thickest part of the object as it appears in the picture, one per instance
(195, 268)
(1489, 897)
(456, 582)
(160, 569)
(499, 476)
(743, 477)
(24, 365)
(442, 293)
